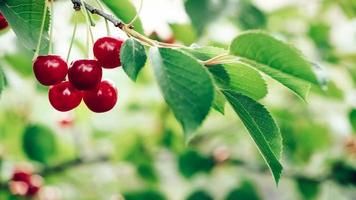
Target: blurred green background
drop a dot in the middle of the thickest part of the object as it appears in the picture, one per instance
(137, 151)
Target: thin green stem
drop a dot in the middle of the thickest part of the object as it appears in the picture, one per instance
(88, 43)
(50, 48)
(41, 31)
(106, 21)
(137, 14)
(86, 15)
(73, 35)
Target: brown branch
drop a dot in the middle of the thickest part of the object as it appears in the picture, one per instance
(118, 23)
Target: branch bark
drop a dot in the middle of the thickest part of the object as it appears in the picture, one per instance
(118, 23)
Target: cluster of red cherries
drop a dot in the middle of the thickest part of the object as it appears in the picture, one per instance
(83, 80)
(24, 183)
(3, 22)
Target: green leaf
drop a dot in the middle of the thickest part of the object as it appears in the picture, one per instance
(352, 119)
(25, 18)
(133, 58)
(344, 173)
(186, 85)
(266, 50)
(21, 62)
(261, 127)
(39, 143)
(125, 11)
(200, 195)
(309, 188)
(202, 12)
(192, 162)
(246, 191)
(144, 195)
(249, 16)
(299, 87)
(237, 76)
(240, 78)
(2, 80)
(332, 91)
(184, 33)
(277, 59)
(219, 101)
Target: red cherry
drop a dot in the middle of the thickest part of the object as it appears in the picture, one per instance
(85, 74)
(64, 97)
(107, 51)
(22, 176)
(3, 22)
(50, 70)
(32, 190)
(102, 99)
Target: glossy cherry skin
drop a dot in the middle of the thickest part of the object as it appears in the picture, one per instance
(85, 74)
(102, 99)
(64, 97)
(107, 51)
(3, 22)
(50, 70)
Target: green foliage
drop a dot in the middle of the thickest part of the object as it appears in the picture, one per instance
(200, 195)
(219, 102)
(319, 32)
(245, 191)
(184, 33)
(133, 57)
(186, 85)
(144, 195)
(25, 18)
(331, 91)
(352, 119)
(308, 188)
(39, 143)
(301, 135)
(191, 162)
(240, 78)
(2, 80)
(125, 11)
(261, 127)
(249, 16)
(235, 76)
(275, 58)
(203, 12)
(141, 158)
(349, 7)
(344, 173)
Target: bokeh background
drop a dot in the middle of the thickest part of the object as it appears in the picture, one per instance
(137, 150)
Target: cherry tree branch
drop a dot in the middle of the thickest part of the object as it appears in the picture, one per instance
(118, 23)
(127, 28)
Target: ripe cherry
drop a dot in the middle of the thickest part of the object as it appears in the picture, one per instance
(23, 176)
(3, 22)
(102, 99)
(107, 51)
(33, 190)
(50, 70)
(85, 74)
(64, 97)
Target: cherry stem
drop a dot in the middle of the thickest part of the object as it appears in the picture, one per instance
(106, 20)
(50, 48)
(41, 31)
(73, 35)
(128, 29)
(220, 59)
(89, 22)
(137, 14)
